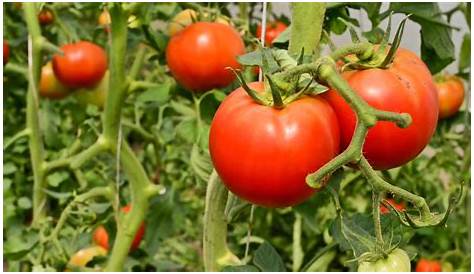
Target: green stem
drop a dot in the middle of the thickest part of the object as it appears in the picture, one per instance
(137, 62)
(32, 111)
(376, 199)
(297, 249)
(306, 26)
(23, 133)
(215, 249)
(363, 49)
(16, 68)
(140, 130)
(244, 14)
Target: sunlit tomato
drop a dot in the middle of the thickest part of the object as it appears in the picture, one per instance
(199, 55)
(101, 237)
(96, 95)
(398, 206)
(185, 18)
(406, 86)
(396, 261)
(425, 265)
(83, 64)
(45, 17)
(83, 256)
(50, 87)
(263, 154)
(272, 31)
(104, 20)
(450, 95)
(6, 52)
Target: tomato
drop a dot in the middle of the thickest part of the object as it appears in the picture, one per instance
(83, 64)
(185, 18)
(450, 95)
(6, 52)
(398, 206)
(101, 237)
(199, 55)
(272, 30)
(50, 87)
(83, 256)
(104, 20)
(263, 154)
(406, 86)
(96, 95)
(425, 265)
(45, 17)
(397, 261)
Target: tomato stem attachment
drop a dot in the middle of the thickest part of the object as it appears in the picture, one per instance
(276, 93)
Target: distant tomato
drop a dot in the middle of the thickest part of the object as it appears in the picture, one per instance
(450, 95)
(263, 154)
(96, 95)
(425, 265)
(45, 17)
(83, 256)
(6, 52)
(198, 56)
(398, 206)
(101, 237)
(272, 31)
(50, 87)
(82, 66)
(104, 20)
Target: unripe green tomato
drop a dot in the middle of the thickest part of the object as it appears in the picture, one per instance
(96, 95)
(397, 261)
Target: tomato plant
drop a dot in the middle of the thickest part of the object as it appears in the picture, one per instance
(396, 261)
(406, 86)
(83, 64)
(45, 17)
(450, 95)
(272, 31)
(50, 87)
(261, 139)
(425, 265)
(199, 55)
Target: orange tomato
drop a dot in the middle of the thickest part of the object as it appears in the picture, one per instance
(450, 95)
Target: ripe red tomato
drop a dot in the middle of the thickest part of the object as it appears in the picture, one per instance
(398, 206)
(272, 30)
(101, 237)
(83, 64)
(406, 86)
(263, 154)
(6, 52)
(199, 55)
(45, 17)
(425, 265)
(50, 87)
(450, 95)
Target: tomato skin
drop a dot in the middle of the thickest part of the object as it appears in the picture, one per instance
(272, 30)
(96, 95)
(198, 55)
(45, 17)
(450, 95)
(263, 154)
(398, 206)
(425, 265)
(185, 18)
(85, 255)
(104, 20)
(397, 261)
(406, 86)
(83, 64)
(101, 237)
(6, 52)
(50, 87)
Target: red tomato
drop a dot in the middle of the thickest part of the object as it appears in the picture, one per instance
(263, 154)
(406, 86)
(425, 265)
(398, 206)
(199, 55)
(101, 237)
(83, 64)
(450, 95)
(50, 87)
(272, 30)
(45, 17)
(6, 52)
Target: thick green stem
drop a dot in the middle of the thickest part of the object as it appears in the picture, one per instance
(32, 112)
(376, 199)
(306, 26)
(244, 14)
(215, 249)
(297, 249)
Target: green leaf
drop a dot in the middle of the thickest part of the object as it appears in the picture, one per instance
(283, 37)
(24, 202)
(240, 268)
(465, 53)
(267, 259)
(9, 168)
(187, 129)
(159, 94)
(57, 178)
(253, 58)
